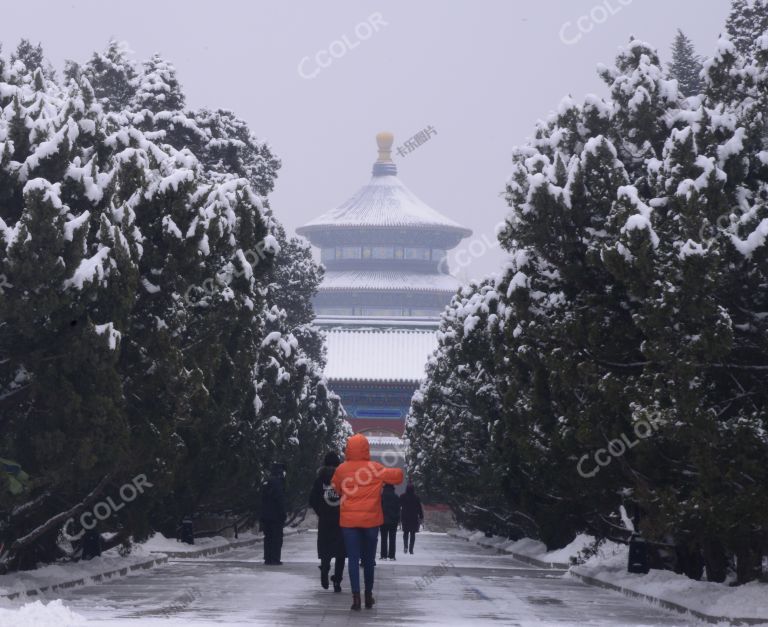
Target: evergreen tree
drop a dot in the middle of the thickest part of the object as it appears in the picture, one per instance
(455, 415)
(62, 400)
(226, 145)
(290, 391)
(113, 77)
(144, 330)
(159, 89)
(747, 20)
(631, 299)
(27, 58)
(686, 65)
(158, 110)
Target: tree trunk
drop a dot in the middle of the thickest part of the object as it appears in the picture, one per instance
(749, 558)
(690, 562)
(35, 539)
(716, 561)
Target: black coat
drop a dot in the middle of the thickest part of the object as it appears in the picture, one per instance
(412, 513)
(325, 503)
(273, 500)
(390, 504)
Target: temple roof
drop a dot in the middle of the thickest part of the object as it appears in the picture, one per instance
(388, 280)
(384, 202)
(387, 355)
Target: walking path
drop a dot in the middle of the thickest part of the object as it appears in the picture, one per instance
(473, 586)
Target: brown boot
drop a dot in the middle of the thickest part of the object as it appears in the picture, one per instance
(355, 601)
(369, 600)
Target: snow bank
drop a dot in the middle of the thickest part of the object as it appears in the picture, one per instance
(39, 614)
(158, 543)
(109, 562)
(526, 547)
(713, 599)
(55, 574)
(609, 566)
(564, 555)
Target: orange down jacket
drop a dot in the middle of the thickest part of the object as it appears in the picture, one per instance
(359, 482)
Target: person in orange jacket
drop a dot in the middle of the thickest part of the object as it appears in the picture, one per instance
(359, 482)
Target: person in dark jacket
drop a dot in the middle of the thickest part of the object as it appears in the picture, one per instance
(412, 515)
(330, 540)
(273, 514)
(390, 504)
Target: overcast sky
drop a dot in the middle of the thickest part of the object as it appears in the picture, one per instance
(479, 72)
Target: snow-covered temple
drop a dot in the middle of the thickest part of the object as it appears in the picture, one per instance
(386, 283)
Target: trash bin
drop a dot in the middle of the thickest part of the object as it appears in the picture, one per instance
(638, 555)
(187, 530)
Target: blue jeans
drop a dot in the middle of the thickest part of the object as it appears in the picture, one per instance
(361, 542)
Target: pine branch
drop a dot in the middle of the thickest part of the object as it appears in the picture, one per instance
(14, 392)
(29, 506)
(616, 364)
(59, 518)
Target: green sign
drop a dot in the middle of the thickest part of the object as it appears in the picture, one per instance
(15, 476)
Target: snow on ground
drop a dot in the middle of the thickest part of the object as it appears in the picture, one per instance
(64, 572)
(158, 543)
(564, 555)
(609, 565)
(714, 599)
(39, 614)
(70, 571)
(528, 547)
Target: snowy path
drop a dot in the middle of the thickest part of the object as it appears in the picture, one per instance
(481, 588)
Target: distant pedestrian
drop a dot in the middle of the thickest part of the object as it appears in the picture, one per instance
(359, 481)
(390, 504)
(92, 545)
(412, 515)
(273, 514)
(325, 502)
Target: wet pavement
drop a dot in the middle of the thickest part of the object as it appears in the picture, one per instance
(447, 581)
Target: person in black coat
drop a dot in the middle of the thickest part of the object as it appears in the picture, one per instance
(390, 504)
(273, 514)
(412, 515)
(330, 540)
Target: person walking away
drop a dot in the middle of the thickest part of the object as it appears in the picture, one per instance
(273, 514)
(412, 515)
(359, 482)
(390, 505)
(324, 500)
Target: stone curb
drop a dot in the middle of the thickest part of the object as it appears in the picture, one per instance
(221, 548)
(111, 574)
(162, 558)
(668, 605)
(518, 556)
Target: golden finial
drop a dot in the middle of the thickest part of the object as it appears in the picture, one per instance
(384, 140)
